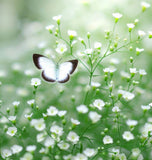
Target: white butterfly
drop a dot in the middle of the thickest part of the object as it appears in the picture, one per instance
(52, 72)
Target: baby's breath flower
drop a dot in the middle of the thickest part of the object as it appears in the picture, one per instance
(146, 129)
(141, 33)
(126, 95)
(27, 156)
(145, 5)
(89, 152)
(16, 148)
(82, 108)
(145, 108)
(135, 152)
(31, 148)
(61, 113)
(109, 70)
(35, 81)
(63, 145)
(88, 51)
(95, 84)
(94, 116)
(50, 28)
(122, 156)
(97, 45)
(6, 153)
(16, 103)
(98, 103)
(80, 156)
(114, 61)
(72, 34)
(61, 48)
(12, 118)
(3, 120)
(115, 109)
(28, 116)
(127, 135)
(57, 130)
(130, 26)
(73, 137)
(42, 150)
(138, 50)
(117, 16)
(38, 124)
(31, 102)
(29, 72)
(150, 34)
(75, 121)
(131, 123)
(125, 74)
(142, 72)
(11, 131)
(67, 157)
(107, 140)
(49, 142)
(40, 137)
(52, 111)
(133, 70)
(57, 19)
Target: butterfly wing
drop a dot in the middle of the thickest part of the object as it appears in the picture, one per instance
(65, 69)
(47, 66)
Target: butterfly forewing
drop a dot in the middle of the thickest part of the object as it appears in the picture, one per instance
(48, 67)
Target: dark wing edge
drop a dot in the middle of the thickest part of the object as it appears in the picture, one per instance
(36, 60)
(46, 78)
(74, 65)
(65, 80)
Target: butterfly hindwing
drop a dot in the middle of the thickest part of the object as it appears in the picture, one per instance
(51, 72)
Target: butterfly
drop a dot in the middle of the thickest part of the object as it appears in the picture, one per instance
(52, 72)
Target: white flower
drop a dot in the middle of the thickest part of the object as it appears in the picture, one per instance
(27, 156)
(61, 48)
(80, 156)
(122, 156)
(72, 33)
(114, 61)
(75, 121)
(57, 130)
(117, 15)
(82, 108)
(3, 120)
(107, 140)
(141, 33)
(94, 116)
(130, 122)
(115, 109)
(133, 70)
(49, 142)
(98, 103)
(138, 50)
(73, 137)
(40, 137)
(95, 84)
(57, 18)
(88, 51)
(130, 25)
(5, 153)
(28, 116)
(61, 113)
(145, 107)
(31, 102)
(89, 152)
(42, 150)
(11, 131)
(29, 72)
(142, 72)
(150, 34)
(145, 5)
(12, 118)
(63, 145)
(16, 149)
(67, 157)
(147, 128)
(109, 69)
(35, 81)
(38, 124)
(97, 45)
(126, 95)
(31, 148)
(125, 74)
(50, 27)
(52, 111)
(16, 103)
(135, 152)
(127, 135)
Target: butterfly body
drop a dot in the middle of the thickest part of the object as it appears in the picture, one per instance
(52, 72)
